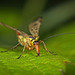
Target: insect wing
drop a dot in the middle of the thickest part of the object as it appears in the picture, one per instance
(34, 26)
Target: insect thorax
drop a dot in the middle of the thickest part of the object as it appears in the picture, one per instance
(28, 41)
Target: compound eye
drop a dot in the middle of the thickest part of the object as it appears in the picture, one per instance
(35, 42)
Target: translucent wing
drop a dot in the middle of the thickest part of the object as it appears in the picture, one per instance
(34, 26)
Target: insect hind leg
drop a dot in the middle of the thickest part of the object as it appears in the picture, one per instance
(12, 48)
(46, 47)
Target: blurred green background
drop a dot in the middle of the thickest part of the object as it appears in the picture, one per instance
(58, 17)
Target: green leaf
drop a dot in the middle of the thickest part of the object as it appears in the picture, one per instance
(30, 64)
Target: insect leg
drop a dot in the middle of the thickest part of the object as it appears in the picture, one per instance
(12, 48)
(22, 52)
(46, 47)
(11, 28)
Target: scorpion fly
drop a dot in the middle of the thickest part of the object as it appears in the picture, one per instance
(29, 42)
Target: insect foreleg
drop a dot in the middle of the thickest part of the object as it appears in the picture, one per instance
(12, 48)
(22, 52)
(46, 47)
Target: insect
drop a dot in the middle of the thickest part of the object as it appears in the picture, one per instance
(29, 42)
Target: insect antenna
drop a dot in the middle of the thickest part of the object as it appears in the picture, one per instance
(10, 27)
(58, 35)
